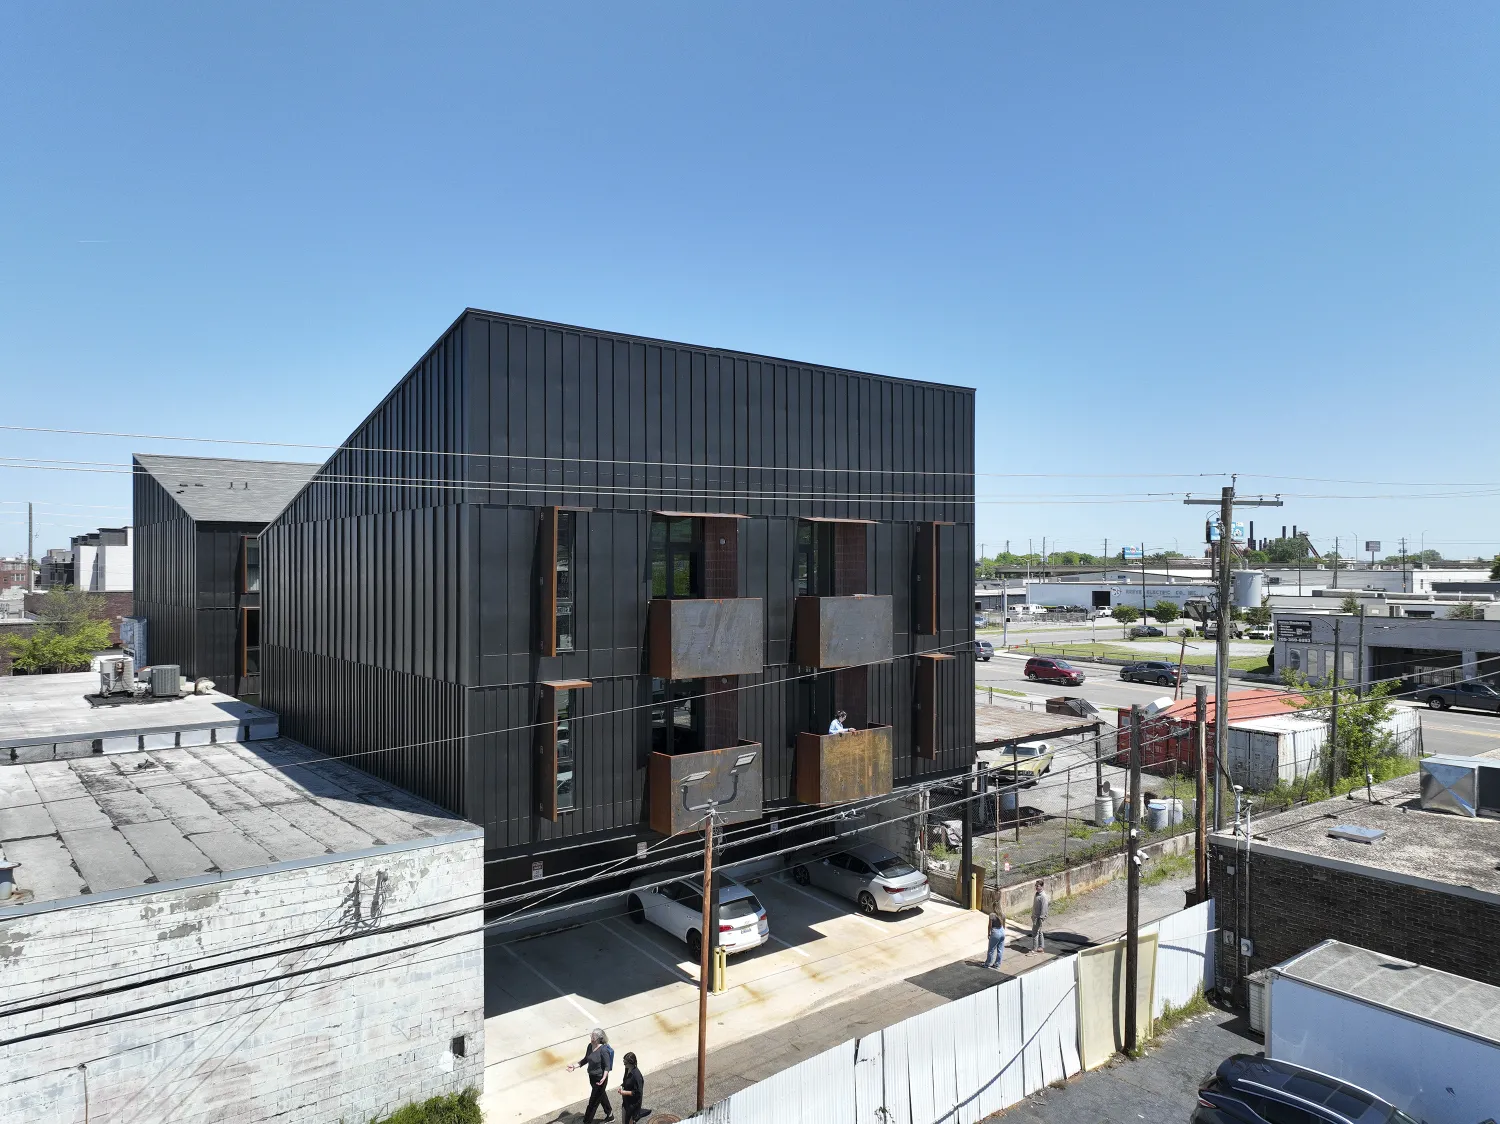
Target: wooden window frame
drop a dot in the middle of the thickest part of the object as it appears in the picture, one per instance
(247, 542)
(546, 770)
(547, 642)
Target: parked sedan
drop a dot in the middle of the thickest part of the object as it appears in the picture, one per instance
(876, 879)
(1160, 672)
(1249, 1087)
(1046, 669)
(1471, 696)
(1146, 630)
(677, 907)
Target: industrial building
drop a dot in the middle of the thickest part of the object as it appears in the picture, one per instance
(1141, 590)
(203, 921)
(197, 554)
(1411, 650)
(576, 585)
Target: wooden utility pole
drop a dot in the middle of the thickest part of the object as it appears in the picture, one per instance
(966, 861)
(1200, 832)
(705, 957)
(1333, 714)
(1133, 883)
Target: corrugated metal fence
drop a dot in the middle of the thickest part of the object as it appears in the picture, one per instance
(961, 1062)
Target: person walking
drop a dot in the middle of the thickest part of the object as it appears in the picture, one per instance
(997, 936)
(632, 1089)
(1039, 904)
(598, 1058)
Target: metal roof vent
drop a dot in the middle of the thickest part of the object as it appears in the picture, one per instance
(1356, 834)
(1466, 786)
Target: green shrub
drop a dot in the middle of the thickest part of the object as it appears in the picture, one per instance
(456, 1108)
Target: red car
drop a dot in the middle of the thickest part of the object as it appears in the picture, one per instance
(1050, 670)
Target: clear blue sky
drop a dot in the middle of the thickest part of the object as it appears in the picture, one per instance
(1166, 238)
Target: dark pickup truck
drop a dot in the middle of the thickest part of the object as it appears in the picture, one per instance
(1470, 696)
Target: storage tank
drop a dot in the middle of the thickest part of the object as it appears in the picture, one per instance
(1249, 588)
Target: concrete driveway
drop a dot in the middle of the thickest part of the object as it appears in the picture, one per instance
(545, 992)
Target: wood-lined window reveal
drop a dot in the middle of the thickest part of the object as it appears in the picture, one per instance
(559, 536)
(249, 641)
(928, 724)
(925, 573)
(557, 748)
(676, 556)
(250, 564)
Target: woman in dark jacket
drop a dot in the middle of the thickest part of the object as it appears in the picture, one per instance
(632, 1089)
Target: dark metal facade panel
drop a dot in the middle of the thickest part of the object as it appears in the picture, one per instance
(414, 556)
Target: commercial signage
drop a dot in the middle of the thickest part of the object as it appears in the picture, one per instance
(1372, 546)
(1236, 531)
(1294, 631)
(1129, 552)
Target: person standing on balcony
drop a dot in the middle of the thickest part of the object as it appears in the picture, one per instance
(837, 725)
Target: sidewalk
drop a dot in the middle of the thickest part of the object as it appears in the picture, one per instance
(1089, 919)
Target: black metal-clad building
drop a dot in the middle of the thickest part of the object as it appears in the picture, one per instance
(575, 585)
(196, 560)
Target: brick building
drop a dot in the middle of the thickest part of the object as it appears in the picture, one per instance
(1427, 890)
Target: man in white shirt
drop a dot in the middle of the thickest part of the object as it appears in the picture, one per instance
(837, 725)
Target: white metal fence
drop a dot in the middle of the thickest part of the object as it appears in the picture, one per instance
(961, 1062)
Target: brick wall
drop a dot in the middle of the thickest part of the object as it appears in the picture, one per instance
(851, 692)
(350, 1042)
(849, 559)
(721, 558)
(721, 711)
(1295, 905)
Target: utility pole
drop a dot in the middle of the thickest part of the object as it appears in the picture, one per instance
(30, 551)
(1226, 504)
(1333, 715)
(705, 955)
(1335, 561)
(1143, 583)
(966, 863)
(1133, 884)
(1403, 566)
(1200, 739)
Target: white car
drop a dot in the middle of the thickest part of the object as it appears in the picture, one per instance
(877, 880)
(677, 907)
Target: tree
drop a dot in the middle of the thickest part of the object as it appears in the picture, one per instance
(73, 628)
(1282, 551)
(1352, 605)
(1495, 570)
(1362, 743)
(1126, 615)
(1466, 611)
(1166, 611)
(1260, 616)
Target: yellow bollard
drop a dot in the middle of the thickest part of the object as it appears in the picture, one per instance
(976, 891)
(721, 971)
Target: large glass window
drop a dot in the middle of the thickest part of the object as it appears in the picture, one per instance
(676, 715)
(565, 535)
(676, 557)
(564, 779)
(814, 559)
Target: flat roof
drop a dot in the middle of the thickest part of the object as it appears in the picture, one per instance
(133, 823)
(1243, 705)
(221, 490)
(1006, 725)
(38, 709)
(1415, 990)
(1433, 850)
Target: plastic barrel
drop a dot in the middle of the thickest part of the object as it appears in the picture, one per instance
(1174, 811)
(1104, 811)
(1156, 815)
(1190, 809)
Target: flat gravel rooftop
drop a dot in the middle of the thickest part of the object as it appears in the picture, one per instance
(132, 822)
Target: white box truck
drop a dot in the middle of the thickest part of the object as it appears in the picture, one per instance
(1425, 1040)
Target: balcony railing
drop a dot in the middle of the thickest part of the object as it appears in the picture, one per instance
(682, 786)
(691, 638)
(844, 631)
(834, 768)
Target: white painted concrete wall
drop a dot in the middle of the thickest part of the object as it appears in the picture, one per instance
(343, 1042)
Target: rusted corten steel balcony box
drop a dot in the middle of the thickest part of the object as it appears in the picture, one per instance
(835, 768)
(693, 638)
(844, 631)
(734, 780)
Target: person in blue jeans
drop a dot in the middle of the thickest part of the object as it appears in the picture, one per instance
(997, 938)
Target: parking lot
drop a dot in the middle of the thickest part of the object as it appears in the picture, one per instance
(545, 992)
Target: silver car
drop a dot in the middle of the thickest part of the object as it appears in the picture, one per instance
(876, 879)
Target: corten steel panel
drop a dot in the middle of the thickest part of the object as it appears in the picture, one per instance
(844, 631)
(836, 768)
(691, 638)
(740, 788)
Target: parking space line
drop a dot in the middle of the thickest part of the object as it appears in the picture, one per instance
(791, 884)
(793, 947)
(639, 947)
(577, 1006)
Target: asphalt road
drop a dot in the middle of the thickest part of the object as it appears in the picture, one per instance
(1456, 732)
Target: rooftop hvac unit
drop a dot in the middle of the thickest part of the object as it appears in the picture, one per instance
(1255, 992)
(117, 676)
(1466, 786)
(166, 680)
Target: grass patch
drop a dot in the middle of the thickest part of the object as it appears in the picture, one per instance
(456, 1108)
(1083, 831)
(1311, 789)
(1256, 664)
(1001, 691)
(1171, 1018)
(1118, 650)
(1167, 868)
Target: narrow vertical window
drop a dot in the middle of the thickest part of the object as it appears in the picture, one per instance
(249, 641)
(926, 586)
(807, 560)
(676, 557)
(250, 564)
(563, 717)
(564, 580)
(556, 788)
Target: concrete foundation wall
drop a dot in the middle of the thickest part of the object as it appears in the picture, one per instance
(342, 1042)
